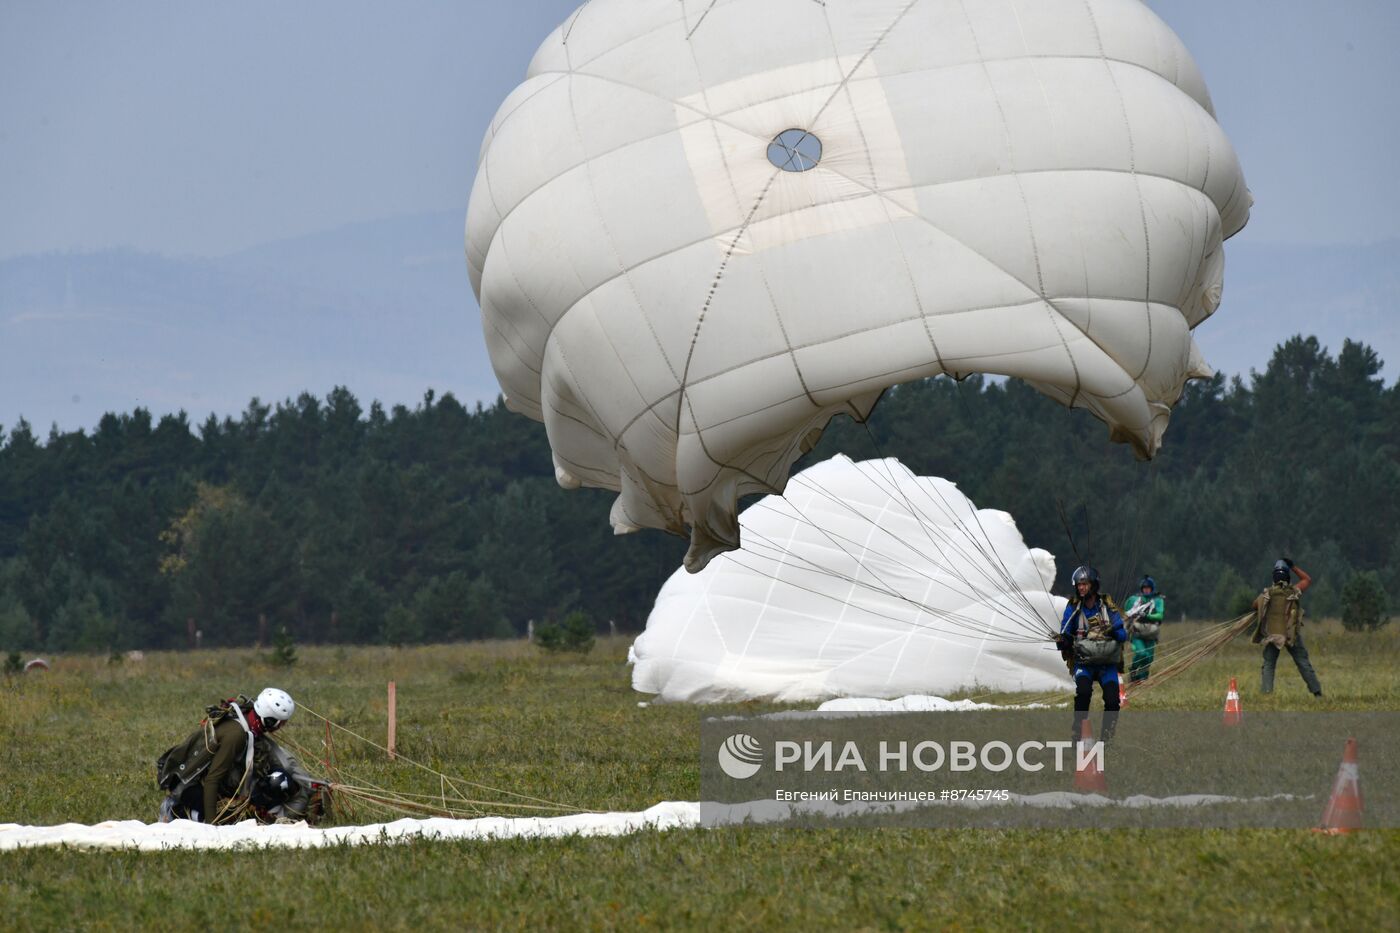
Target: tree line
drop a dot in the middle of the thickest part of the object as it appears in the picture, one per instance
(444, 522)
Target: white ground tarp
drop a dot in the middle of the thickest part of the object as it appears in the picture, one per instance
(917, 704)
(861, 580)
(183, 834)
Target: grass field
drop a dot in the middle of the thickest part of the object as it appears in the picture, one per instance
(78, 745)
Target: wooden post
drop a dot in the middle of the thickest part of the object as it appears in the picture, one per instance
(393, 716)
(189, 627)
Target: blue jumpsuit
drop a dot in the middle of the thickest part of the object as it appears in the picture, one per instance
(1074, 624)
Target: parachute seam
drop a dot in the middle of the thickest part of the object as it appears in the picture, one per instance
(719, 274)
(884, 326)
(1137, 184)
(1050, 113)
(894, 232)
(623, 271)
(835, 386)
(563, 356)
(573, 21)
(1025, 203)
(860, 63)
(905, 212)
(683, 400)
(738, 206)
(1127, 63)
(719, 119)
(698, 21)
(495, 325)
(500, 120)
(614, 440)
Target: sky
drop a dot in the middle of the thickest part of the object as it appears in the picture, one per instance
(203, 129)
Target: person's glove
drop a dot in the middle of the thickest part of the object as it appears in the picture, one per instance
(1289, 562)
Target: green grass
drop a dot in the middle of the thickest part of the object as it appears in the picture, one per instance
(78, 745)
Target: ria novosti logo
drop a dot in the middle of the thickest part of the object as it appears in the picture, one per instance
(741, 756)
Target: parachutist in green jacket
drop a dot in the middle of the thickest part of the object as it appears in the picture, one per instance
(1145, 627)
(224, 759)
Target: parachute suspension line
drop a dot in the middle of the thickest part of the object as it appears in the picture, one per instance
(837, 541)
(976, 627)
(1172, 663)
(553, 804)
(776, 551)
(985, 548)
(969, 590)
(949, 544)
(1137, 537)
(347, 792)
(1069, 532)
(1211, 641)
(990, 563)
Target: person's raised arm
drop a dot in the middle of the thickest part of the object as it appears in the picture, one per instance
(1304, 581)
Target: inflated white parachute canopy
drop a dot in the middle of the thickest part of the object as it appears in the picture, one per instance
(861, 580)
(700, 229)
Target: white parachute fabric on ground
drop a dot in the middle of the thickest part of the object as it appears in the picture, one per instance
(918, 704)
(861, 580)
(184, 834)
(671, 814)
(685, 292)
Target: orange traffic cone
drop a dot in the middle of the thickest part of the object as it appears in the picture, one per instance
(1088, 776)
(1343, 813)
(1233, 713)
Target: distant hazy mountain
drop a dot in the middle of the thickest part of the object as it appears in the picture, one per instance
(386, 309)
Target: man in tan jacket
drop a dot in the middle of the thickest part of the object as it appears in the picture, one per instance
(1278, 625)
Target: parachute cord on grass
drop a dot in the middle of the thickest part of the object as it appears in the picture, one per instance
(495, 790)
(402, 802)
(337, 783)
(348, 791)
(409, 799)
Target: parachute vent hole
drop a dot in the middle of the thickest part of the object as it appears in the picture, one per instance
(795, 150)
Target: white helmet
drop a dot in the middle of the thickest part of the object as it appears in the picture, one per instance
(274, 707)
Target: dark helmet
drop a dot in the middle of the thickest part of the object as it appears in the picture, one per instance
(272, 790)
(1087, 574)
(1147, 583)
(1283, 571)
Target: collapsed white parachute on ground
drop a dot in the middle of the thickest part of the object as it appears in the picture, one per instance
(699, 230)
(862, 580)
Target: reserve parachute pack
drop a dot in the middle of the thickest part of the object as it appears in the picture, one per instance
(1094, 644)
